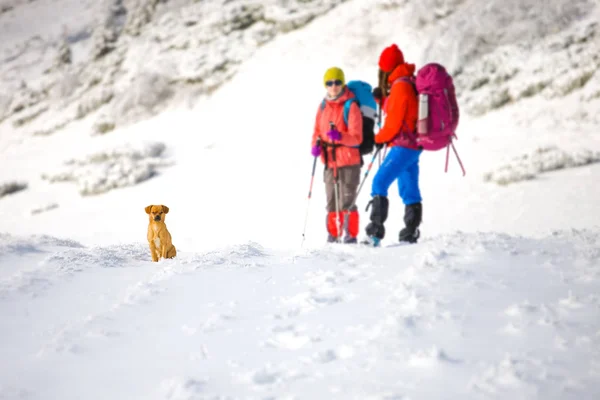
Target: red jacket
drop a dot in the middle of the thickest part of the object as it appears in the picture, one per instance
(401, 109)
(347, 154)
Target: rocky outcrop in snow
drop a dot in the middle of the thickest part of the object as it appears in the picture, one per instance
(11, 187)
(546, 159)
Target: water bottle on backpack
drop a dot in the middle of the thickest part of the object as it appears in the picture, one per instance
(423, 114)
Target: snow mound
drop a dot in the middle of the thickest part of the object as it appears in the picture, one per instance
(113, 168)
(545, 159)
(10, 244)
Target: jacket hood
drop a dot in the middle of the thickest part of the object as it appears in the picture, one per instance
(401, 71)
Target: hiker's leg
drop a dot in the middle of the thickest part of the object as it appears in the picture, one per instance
(413, 214)
(387, 173)
(349, 179)
(408, 186)
(385, 176)
(408, 177)
(330, 220)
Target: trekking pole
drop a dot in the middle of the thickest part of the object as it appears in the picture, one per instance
(335, 185)
(363, 181)
(458, 158)
(367, 172)
(379, 126)
(312, 179)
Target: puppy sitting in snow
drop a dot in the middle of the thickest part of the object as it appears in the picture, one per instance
(159, 237)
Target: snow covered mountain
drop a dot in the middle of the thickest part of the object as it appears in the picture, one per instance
(207, 107)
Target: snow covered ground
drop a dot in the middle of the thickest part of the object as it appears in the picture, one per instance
(499, 300)
(474, 316)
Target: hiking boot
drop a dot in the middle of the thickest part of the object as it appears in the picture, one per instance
(350, 226)
(412, 219)
(331, 239)
(409, 236)
(379, 214)
(371, 241)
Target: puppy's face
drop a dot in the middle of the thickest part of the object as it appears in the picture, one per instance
(157, 213)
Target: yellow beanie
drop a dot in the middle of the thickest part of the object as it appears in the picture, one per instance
(333, 74)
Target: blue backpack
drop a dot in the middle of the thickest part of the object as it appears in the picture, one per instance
(363, 96)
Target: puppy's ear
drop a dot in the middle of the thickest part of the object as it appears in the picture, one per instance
(148, 209)
(165, 209)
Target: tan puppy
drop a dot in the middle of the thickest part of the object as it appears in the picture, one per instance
(159, 237)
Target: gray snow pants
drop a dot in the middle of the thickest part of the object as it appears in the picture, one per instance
(348, 181)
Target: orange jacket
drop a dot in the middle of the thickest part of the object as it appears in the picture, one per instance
(401, 109)
(347, 152)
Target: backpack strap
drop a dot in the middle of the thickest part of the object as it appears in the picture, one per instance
(409, 80)
(347, 106)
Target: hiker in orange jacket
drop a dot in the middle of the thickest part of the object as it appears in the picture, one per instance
(337, 144)
(400, 103)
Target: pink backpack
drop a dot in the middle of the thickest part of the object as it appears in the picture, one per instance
(438, 110)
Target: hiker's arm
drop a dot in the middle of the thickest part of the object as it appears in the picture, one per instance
(396, 107)
(353, 137)
(316, 133)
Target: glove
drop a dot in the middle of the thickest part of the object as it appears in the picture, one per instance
(334, 135)
(316, 150)
(379, 146)
(377, 93)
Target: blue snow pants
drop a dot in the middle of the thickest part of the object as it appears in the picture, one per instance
(400, 164)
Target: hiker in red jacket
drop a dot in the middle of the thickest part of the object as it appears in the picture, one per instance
(401, 164)
(337, 144)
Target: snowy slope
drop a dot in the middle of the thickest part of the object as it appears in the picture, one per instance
(499, 300)
(474, 316)
(121, 61)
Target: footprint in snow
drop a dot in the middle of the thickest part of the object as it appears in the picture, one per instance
(182, 388)
(326, 278)
(521, 310)
(290, 338)
(430, 358)
(265, 377)
(512, 374)
(311, 300)
(269, 375)
(522, 315)
(571, 302)
(330, 355)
